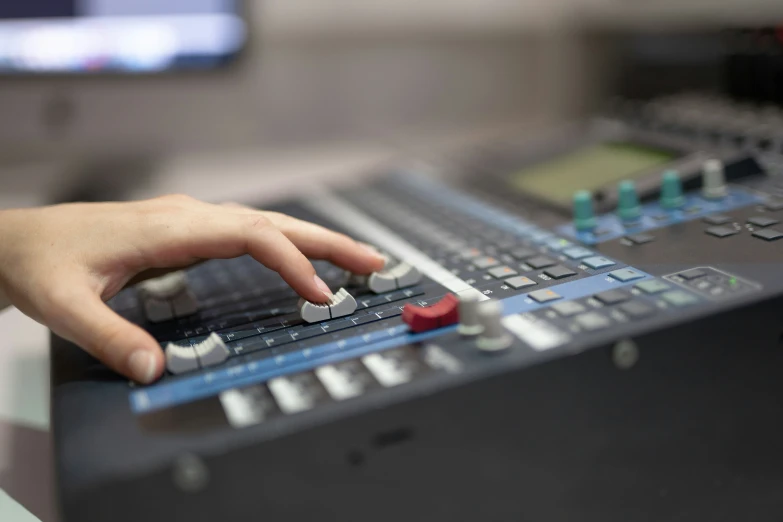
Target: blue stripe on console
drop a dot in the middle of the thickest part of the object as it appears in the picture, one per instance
(206, 384)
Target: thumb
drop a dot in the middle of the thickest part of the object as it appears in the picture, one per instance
(80, 316)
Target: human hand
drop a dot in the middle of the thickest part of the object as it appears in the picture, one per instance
(60, 264)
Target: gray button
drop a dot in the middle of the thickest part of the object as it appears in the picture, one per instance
(540, 262)
(341, 304)
(181, 359)
(693, 273)
(598, 262)
(523, 253)
(469, 253)
(768, 234)
(640, 239)
(718, 219)
(559, 272)
(721, 231)
(679, 298)
(637, 309)
(157, 310)
(568, 308)
(653, 286)
(485, 262)
(577, 252)
(762, 221)
(544, 296)
(501, 272)
(520, 282)
(626, 274)
(611, 297)
(592, 321)
(211, 351)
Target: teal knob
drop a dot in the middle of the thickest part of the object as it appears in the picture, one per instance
(584, 217)
(671, 190)
(628, 202)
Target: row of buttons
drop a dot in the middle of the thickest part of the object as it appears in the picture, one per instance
(623, 275)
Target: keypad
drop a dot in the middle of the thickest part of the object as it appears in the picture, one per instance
(598, 262)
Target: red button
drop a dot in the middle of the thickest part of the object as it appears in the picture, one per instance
(424, 318)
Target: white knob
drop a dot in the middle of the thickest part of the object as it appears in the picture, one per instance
(713, 184)
(495, 337)
(469, 323)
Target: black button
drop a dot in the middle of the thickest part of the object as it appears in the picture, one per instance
(611, 297)
(718, 219)
(540, 262)
(637, 309)
(523, 253)
(762, 221)
(640, 239)
(768, 234)
(559, 272)
(693, 273)
(774, 204)
(721, 231)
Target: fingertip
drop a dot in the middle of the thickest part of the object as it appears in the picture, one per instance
(144, 365)
(374, 259)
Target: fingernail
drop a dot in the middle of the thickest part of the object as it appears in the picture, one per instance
(142, 366)
(322, 286)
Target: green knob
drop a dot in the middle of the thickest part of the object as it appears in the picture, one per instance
(671, 190)
(584, 217)
(628, 202)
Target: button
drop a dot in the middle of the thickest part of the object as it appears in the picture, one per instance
(626, 274)
(768, 234)
(721, 231)
(592, 321)
(469, 323)
(559, 272)
(469, 253)
(774, 204)
(584, 215)
(485, 262)
(671, 190)
(611, 297)
(679, 298)
(341, 304)
(523, 253)
(577, 252)
(544, 296)
(557, 244)
(718, 219)
(425, 318)
(640, 239)
(568, 308)
(520, 282)
(180, 359)
(653, 286)
(501, 272)
(211, 351)
(494, 336)
(540, 262)
(762, 221)
(157, 310)
(693, 273)
(164, 287)
(637, 309)
(598, 262)
(628, 208)
(713, 180)
(401, 275)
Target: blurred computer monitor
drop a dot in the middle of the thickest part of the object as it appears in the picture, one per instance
(107, 86)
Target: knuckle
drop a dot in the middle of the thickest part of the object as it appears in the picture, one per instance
(257, 222)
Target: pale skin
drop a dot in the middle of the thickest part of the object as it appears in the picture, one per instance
(60, 264)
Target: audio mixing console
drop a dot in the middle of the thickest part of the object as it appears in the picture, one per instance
(506, 364)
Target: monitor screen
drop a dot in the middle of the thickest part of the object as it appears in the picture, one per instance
(125, 36)
(587, 168)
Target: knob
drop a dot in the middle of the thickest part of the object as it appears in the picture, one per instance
(713, 180)
(584, 216)
(671, 190)
(424, 318)
(628, 202)
(495, 337)
(469, 323)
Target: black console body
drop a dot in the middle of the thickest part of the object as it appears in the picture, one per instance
(644, 381)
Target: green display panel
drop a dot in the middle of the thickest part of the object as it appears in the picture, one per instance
(588, 168)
